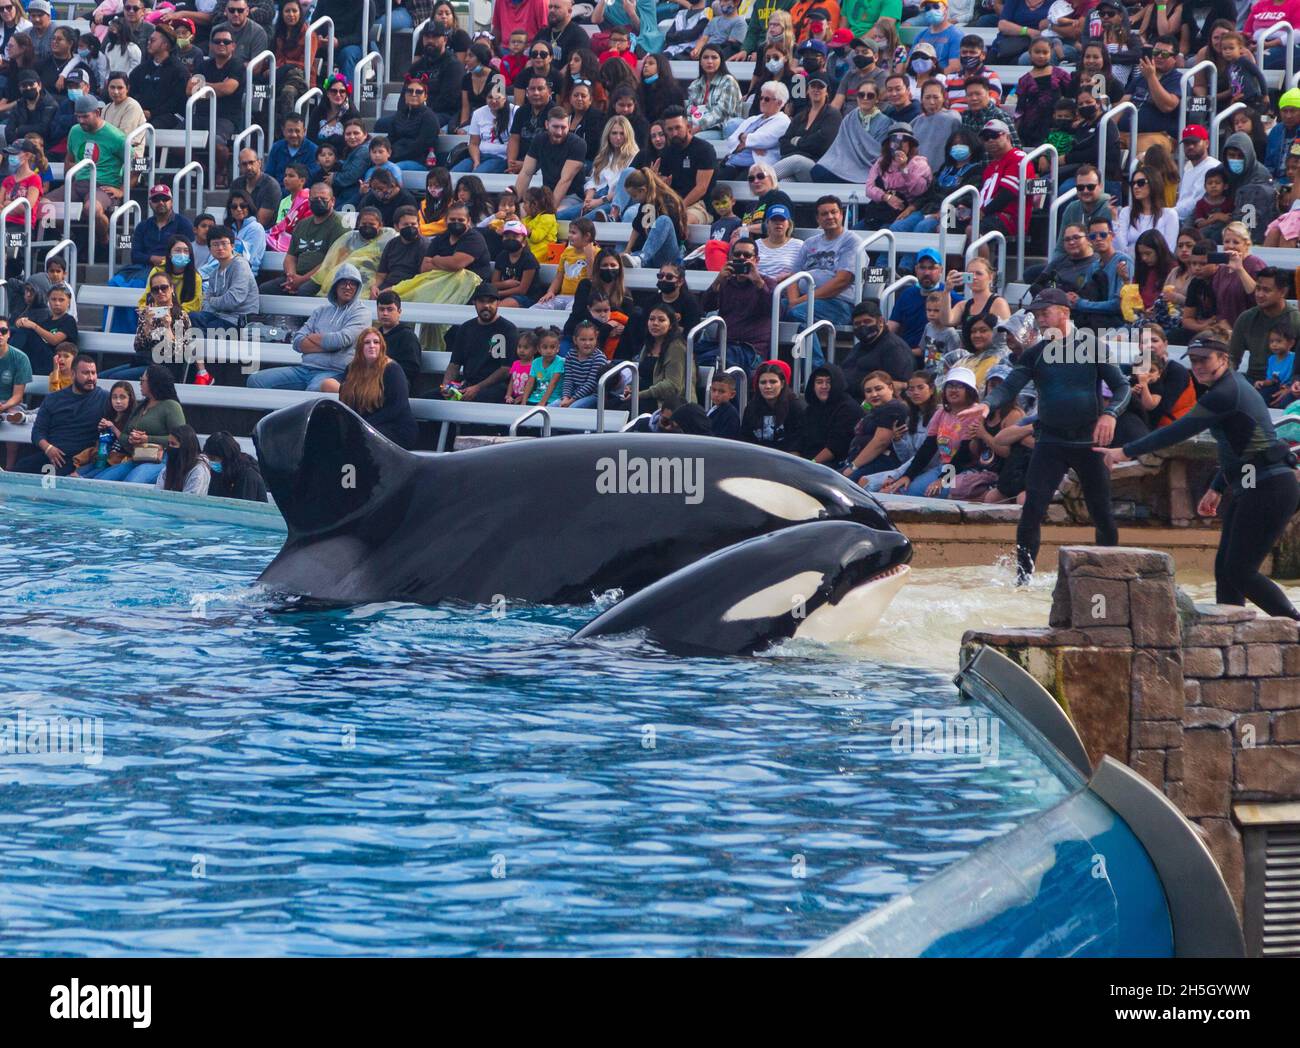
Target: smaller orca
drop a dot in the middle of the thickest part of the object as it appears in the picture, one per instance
(826, 581)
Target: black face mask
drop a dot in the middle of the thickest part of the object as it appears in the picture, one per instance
(31, 92)
(320, 208)
(455, 228)
(866, 332)
(812, 65)
(862, 61)
(368, 232)
(1088, 112)
(410, 234)
(1064, 123)
(512, 245)
(430, 51)
(607, 275)
(666, 287)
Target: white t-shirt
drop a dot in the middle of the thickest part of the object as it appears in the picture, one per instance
(483, 124)
(778, 262)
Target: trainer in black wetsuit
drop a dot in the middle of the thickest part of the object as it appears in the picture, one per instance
(1256, 469)
(1071, 420)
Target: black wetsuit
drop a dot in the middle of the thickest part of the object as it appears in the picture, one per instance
(1256, 470)
(1069, 404)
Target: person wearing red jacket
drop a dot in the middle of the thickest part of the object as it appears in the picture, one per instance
(1000, 193)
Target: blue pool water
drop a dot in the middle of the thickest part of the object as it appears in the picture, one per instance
(401, 780)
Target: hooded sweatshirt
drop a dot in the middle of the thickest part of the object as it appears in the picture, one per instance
(1253, 173)
(1253, 198)
(828, 423)
(857, 146)
(908, 181)
(338, 326)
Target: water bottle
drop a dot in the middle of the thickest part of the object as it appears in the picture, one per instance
(101, 456)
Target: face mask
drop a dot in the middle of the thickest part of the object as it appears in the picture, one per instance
(215, 466)
(83, 52)
(666, 287)
(74, 94)
(319, 208)
(183, 42)
(652, 78)
(608, 276)
(960, 153)
(922, 65)
(455, 228)
(31, 92)
(368, 232)
(971, 62)
(1237, 166)
(1088, 112)
(934, 17)
(430, 51)
(812, 65)
(410, 234)
(866, 332)
(180, 261)
(862, 61)
(774, 65)
(1064, 123)
(13, 163)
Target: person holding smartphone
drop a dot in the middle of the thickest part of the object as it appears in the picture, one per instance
(742, 296)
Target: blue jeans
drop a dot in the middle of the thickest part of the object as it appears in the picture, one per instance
(295, 376)
(915, 488)
(824, 174)
(837, 310)
(401, 20)
(621, 200)
(347, 59)
(1275, 57)
(133, 472)
(916, 222)
(413, 165)
(128, 372)
(487, 165)
(661, 245)
(206, 320)
(584, 402)
(124, 320)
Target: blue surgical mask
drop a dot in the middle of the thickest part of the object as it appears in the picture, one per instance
(215, 466)
(960, 153)
(922, 65)
(934, 17)
(83, 52)
(180, 261)
(774, 65)
(1236, 166)
(74, 93)
(652, 78)
(14, 161)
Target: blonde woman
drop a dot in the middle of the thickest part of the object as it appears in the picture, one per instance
(609, 171)
(375, 387)
(980, 300)
(1233, 282)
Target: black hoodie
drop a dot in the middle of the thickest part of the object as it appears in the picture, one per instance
(828, 423)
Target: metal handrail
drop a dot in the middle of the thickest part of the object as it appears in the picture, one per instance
(22, 203)
(993, 235)
(70, 263)
(197, 168)
(802, 277)
(119, 213)
(1054, 219)
(388, 38)
(150, 152)
(862, 261)
(211, 95)
(1183, 96)
(742, 387)
(305, 99)
(237, 146)
(1022, 199)
(415, 37)
(950, 202)
(1264, 37)
(1217, 123)
(800, 355)
(539, 409)
(609, 374)
(329, 40)
(90, 205)
(261, 56)
(1107, 117)
(703, 326)
(358, 83)
(887, 295)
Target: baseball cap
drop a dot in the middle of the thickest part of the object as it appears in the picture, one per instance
(161, 190)
(1290, 99)
(813, 45)
(842, 37)
(485, 291)
(39, 5)
(1197, 131)
(188, 23)
(1051, 296)
(88, 104)
(21, 146)
(818, 79)
(515, 227)
(925, 48)
(1203, 347)
(29, 76)
(963, 375)
(779, 211)
(994, 128)
(929, 254)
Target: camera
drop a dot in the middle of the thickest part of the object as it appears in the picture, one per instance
(740, 268)
(1217, 256)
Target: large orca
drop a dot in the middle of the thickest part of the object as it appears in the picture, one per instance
(552, 520)
(827, 581)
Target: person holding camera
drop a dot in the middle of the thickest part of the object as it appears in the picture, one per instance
(742, 296)
(1257, 473)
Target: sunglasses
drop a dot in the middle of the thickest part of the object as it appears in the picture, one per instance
(1162, 54)
(1086, 187)
(338, 90)
(581, 83)
(867, 94)
(223, 43)
(539, 54)
(1140, 183)
(408, 91)
(160, 288)
(4, 331)
(1098, 236)
(757, 178)
(743, 256)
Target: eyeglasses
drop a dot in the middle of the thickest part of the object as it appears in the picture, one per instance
(769, 98)
(867, 94)
(1099, 236)
(133, 7)
(158, 289)
(338, 90)
(1140, 183)
(539, 54)
(1086, 187)
(1073, 237)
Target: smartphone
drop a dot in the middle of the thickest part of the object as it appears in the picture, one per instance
(1217, 256)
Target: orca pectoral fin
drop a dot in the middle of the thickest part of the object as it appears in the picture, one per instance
(348, 473)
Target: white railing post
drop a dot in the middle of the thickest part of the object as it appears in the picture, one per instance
(1111, 114)
(193, 167)
(862, 259)
(1186, 77)
(1217, 124)
(329, 42)
(237, 145)
(203, 92)
(538, 409)
(1022, 199)
(1279, 27)
(415, 37)
(949, 207)
(887, 296)
(18, 203)
(68, 248)
(388, 39)
(306, 99)
(129, 165)
(359, 84)
(992, 236)
(741, 377)
(115, 244)
(91, 204)
(803, 359)
(250, 88)
(1054, 218)
(613, 371)
(810, 286)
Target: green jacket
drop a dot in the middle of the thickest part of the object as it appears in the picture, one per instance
(157, 421)
(763, 9)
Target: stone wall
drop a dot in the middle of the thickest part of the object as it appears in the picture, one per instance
(1203, 701)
